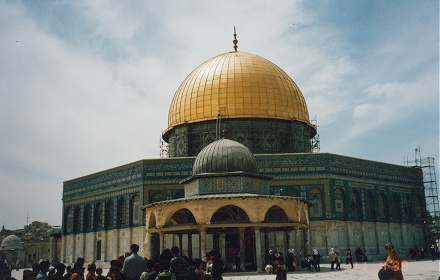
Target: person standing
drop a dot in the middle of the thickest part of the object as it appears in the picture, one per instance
(91, 268)
(433, 252)
(316, 259)
(349, 258)
(393, 262)
(178, 265)
(332, 256)
(78, 271)
(44, 268)
(134, 265)
(217, 265)
(279, 268)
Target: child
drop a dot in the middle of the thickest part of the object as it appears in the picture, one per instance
(338, 261)
(113, 273)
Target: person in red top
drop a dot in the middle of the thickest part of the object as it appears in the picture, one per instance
(349, 258)
(393, 262)
(91, 268)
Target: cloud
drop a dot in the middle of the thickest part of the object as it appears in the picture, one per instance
(86, 85)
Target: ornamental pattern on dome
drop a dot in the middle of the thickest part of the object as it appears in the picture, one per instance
(237, 85)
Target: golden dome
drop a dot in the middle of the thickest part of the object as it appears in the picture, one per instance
(237, 85)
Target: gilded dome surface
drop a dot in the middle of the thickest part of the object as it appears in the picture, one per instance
(237, 85)
(224, 156)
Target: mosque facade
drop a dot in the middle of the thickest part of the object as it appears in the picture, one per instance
(241, 177)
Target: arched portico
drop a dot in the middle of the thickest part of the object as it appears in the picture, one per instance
(242, 225)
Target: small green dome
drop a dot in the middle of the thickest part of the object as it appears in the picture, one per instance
(223, 156)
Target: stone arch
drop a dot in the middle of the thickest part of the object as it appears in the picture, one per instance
(355, 206)
(181, 217)
(152, 221)
(230, 214)
(276, 214)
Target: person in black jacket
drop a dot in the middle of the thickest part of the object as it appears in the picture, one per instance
(217, 265)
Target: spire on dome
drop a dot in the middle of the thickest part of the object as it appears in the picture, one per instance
(235, 40)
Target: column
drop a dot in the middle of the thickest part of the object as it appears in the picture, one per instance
(288, 241)
(104, 257)
(307, 248)
(203, 243)
(161, 241)
(242, 255)
(180, 236)
(259, 259)
(147, 245)
(190, 250)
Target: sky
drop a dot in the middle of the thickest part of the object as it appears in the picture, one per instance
(86, 86)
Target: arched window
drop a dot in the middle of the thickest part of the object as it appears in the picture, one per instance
(99, 216)
(68, 216)
(315, 197)
(276, 215)
(420, 208)
(122, 212)
(407, 211)
(340, 212)
(230, 214)
(152, 221)
(381, 207)
(134, 210)
(369, 206)
(87, 217)
(77, 219)
(109, 216)
(395, 210)
(183, 216)
(355, 206)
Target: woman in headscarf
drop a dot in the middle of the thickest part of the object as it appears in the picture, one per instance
(316, 259)
(332, 256)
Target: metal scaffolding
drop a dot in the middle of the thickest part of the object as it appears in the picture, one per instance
(431, 194)
(163, 148)
(315, 142)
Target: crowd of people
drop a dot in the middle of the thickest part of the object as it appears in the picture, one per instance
(170, 265)
(420, 254)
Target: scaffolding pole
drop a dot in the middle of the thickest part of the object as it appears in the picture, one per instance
(431, 194)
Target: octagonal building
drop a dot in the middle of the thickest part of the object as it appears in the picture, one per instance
(240, 163)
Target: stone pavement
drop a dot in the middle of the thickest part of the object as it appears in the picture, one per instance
(412, 270)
